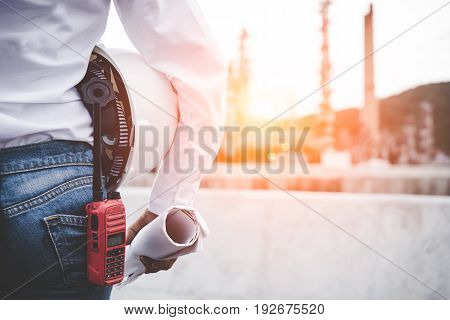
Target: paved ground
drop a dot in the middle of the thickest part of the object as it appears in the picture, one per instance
(267, 245)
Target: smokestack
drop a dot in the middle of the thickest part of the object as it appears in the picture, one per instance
(326, 112)
(370, 111)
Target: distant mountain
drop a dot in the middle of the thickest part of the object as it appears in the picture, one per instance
(395, 110)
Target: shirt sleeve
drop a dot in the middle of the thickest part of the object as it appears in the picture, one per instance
(173, 38)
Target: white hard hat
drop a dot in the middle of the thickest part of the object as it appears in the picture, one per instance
(139, 124)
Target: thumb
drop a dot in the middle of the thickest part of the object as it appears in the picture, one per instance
(141, 222)
(131, 234)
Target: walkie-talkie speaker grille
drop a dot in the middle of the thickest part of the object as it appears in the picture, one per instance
(104, 85)
(139, 124)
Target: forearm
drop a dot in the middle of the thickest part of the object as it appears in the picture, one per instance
(173, 38)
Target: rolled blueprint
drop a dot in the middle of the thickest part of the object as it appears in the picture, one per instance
(178, 231)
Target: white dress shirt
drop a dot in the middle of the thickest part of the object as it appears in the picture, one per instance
(45, 47)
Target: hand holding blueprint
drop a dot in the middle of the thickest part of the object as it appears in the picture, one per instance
(178, 231)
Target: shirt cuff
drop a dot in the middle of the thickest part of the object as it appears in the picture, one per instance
(181, 194)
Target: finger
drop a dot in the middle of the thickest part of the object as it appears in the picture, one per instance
(163, 265)
(170, 262)
(132, 232)
(148, 264)
(151, 270)
(153, 265)
(141, 222)
(158, 264)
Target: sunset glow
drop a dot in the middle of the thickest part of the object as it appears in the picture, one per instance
(284, 48)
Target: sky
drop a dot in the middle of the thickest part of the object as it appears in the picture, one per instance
(284, 47)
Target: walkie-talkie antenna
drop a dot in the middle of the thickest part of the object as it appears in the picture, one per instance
(97, 186)
(97, 93)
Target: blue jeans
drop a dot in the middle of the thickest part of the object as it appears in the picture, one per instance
(44, 188)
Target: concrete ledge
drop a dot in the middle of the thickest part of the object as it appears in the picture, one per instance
(267, 245)
(427, 180)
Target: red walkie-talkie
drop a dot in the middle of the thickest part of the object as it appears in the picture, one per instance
(106, 219)
(106, 241)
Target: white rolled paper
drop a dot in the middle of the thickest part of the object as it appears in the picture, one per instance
(179, 231)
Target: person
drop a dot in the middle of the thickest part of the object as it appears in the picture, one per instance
(46, 131)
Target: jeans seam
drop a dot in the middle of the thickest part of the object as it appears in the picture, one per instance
(66, 219)
(47, 167)
(57, 251)
(47, 196)
(63, 219)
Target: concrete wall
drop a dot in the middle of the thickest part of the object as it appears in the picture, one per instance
(267, 245)
(409, 179)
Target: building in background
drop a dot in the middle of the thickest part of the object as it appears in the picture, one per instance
(396, 130)
(238, 100)
(327, 116)
(370, 117)
(426, 133)
(238, 93)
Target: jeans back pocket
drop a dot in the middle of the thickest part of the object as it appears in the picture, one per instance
(68, 234)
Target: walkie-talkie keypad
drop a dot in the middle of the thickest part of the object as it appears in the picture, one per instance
(115, 263)
(115, 252)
